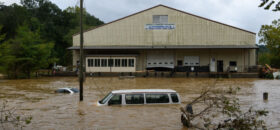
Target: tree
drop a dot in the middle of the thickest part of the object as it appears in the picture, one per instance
(270, 36)
(26, 53)
(11, 17)
(53, 24)
(221, 110)
(2, 37)
(9, 119)
(268, 3)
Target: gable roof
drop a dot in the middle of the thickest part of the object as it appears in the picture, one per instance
(168, 8)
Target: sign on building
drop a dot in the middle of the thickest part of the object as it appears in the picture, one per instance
(160, 26)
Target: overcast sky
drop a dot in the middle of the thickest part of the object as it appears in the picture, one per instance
(244, 14)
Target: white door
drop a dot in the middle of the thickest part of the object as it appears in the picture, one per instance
(160, 59)
(191, 61)
(212, 65)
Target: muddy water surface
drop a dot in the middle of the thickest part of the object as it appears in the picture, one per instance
(36, 97)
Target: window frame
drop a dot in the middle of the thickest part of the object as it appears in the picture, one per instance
(131, 94)
(168, 97)
(104, 62)
(178, 100)
(131, 62)
(124, 62)
(90, 62)
(160, 19)
(97, 62)
(117, 62)
(121, 100)
(110, 62)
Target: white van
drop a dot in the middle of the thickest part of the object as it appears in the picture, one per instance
(141, 96)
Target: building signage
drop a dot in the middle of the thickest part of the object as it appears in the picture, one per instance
(160, 26)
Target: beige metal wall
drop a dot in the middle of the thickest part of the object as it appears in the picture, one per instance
(190, 30)
(241, 56)
(76, 57)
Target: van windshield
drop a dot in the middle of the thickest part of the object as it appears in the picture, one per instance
(105, 99)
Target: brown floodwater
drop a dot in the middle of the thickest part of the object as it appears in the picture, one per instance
(49, 110)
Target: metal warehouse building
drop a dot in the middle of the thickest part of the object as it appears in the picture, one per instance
(164, 38)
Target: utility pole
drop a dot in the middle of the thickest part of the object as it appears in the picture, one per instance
(81, 75)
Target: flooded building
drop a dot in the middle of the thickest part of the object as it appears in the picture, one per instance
(164, 38)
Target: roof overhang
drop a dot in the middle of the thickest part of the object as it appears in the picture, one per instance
(166, 47)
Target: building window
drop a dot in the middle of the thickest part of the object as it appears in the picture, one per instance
(97, 62)
(117, 62)
(103, 62)
(90, 62)
(110, 62)
(131, 62)
(124, 62)
(160, 19)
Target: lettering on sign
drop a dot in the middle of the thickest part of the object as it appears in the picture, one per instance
(159, 26)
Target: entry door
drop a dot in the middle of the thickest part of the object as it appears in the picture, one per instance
(179, 63)
(220, 66)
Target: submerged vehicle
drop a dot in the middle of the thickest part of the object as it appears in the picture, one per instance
(67, 90)
(140, 96)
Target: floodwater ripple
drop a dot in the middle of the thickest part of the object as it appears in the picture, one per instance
(36, 97)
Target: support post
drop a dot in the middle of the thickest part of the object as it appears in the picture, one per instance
(81, 75)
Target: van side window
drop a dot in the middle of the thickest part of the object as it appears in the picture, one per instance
(134, 99)
(174, 98)
(157, 98)
(115, 100)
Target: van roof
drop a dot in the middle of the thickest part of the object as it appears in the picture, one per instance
(144, 90)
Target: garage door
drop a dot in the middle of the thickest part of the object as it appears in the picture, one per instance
(191, 61)
(160, 60)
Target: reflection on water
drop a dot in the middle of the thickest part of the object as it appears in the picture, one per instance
(63, 111)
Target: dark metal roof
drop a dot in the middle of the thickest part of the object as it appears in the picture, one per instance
(171, 9)
(168, 47)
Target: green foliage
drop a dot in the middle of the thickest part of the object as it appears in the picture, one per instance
(269, 76)
(268, 3)
(264, 58)
(270, 36)
(52, 24)
(25, 53)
